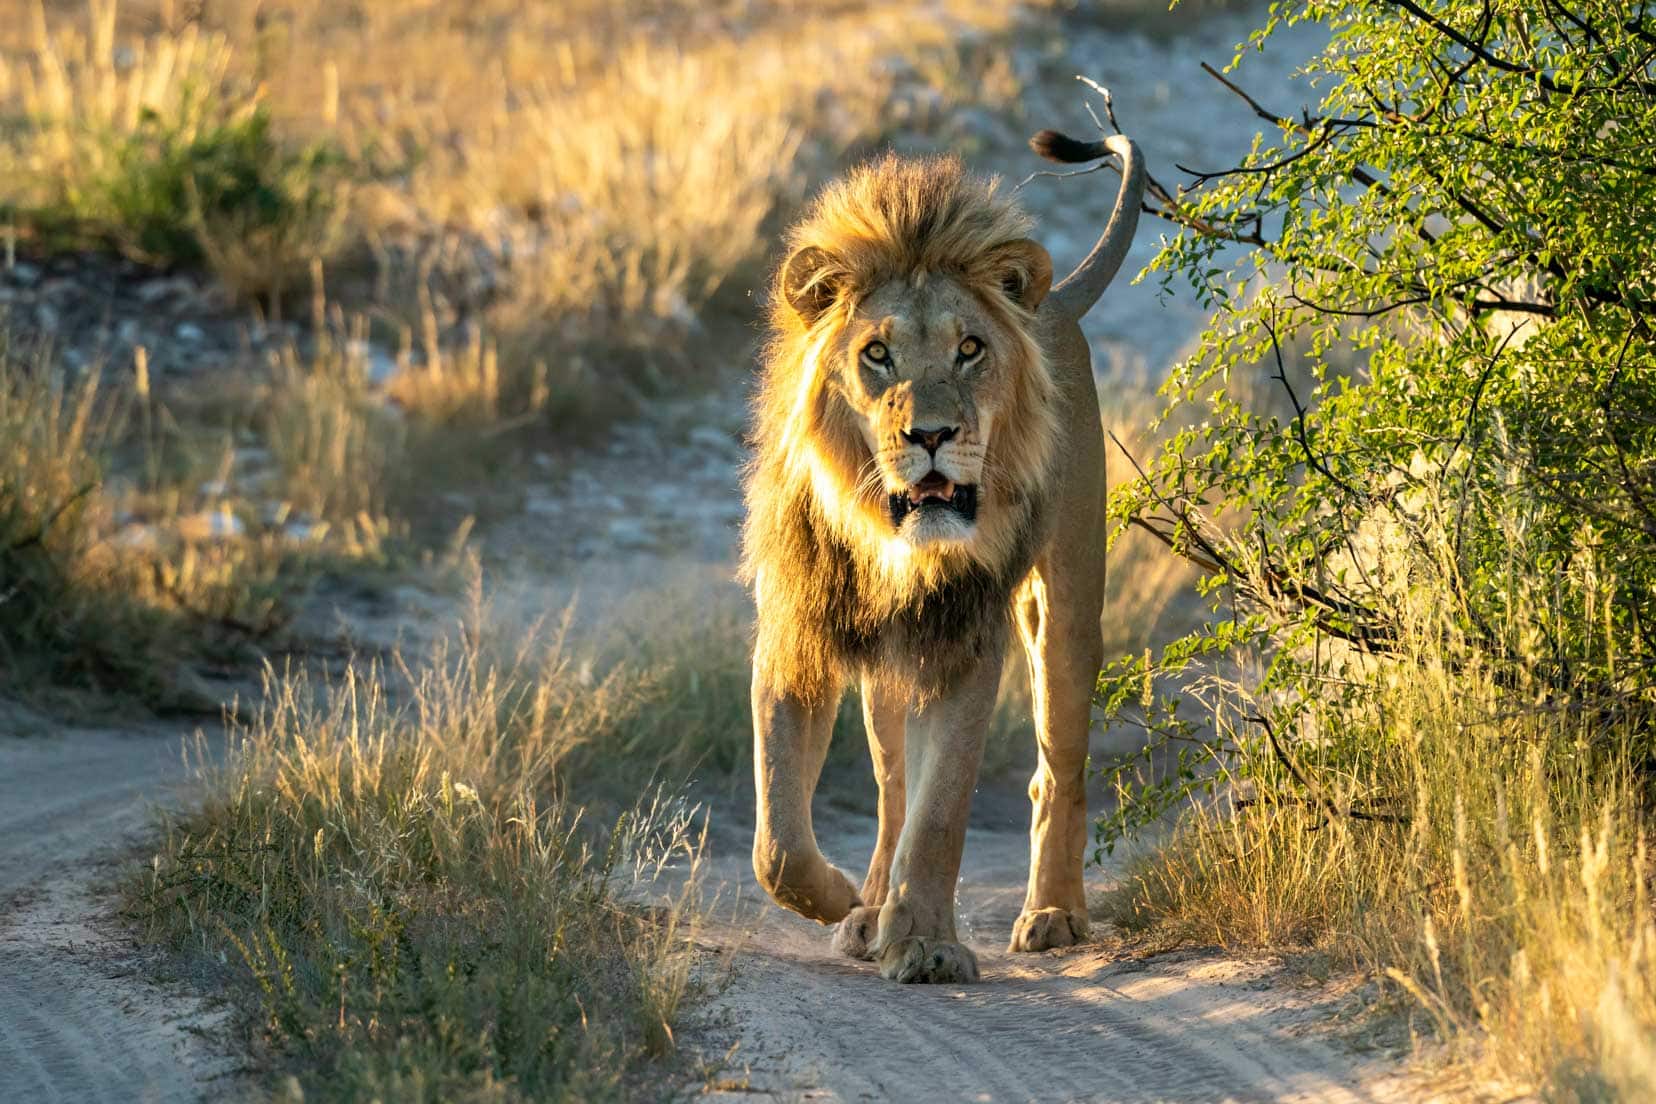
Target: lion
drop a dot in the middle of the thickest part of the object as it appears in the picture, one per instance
(928, 472)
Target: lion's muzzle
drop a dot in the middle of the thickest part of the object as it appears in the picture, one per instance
(935, 491)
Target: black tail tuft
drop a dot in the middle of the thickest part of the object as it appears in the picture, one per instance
(1066, 150)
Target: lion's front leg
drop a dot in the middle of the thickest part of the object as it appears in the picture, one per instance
(790, 742)
(916, 940)
(885, 716)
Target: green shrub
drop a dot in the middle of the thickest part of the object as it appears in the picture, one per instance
(1465, 519)
(161, 154)
(176, 185)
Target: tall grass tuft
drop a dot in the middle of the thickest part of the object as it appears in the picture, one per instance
(133, 546)
(162, 148)
(1485, 852)
(411, 905)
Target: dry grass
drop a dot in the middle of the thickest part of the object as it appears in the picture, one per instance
(160, 147)
(85, 609)
(1149, 596)
(578, 183)
(135, 546)
(1499, 882)
(410, 904)
(1495, 878)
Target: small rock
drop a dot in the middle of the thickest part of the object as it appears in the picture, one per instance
(543, 506)
(628, 532)
(711, 438)
(23, 273)
(189, 331)
(151, 292)
(381, 366)
(210, 525)
(138, 536)
(305, 532)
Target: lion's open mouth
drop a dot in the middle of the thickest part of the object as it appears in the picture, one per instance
(935, 492)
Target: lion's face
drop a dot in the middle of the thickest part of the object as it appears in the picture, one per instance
(926, 371)
(906, 430)
(908, 395)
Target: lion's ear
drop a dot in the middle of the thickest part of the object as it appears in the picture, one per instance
(809, 282)
(1025, 272)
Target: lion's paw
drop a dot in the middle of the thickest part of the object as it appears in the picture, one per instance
(928, 961)
(855, 933)
(1044, 929)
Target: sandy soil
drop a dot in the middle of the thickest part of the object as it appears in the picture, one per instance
(799, 1022)
(81, 1018)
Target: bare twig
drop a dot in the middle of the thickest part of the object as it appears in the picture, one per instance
(1329, 809)
(1037, 174)
(50, 519)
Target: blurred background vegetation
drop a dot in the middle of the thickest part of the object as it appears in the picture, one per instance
(298, 299)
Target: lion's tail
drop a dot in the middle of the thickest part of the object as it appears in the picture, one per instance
(1081, 288)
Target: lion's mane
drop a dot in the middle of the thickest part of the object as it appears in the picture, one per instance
(833, 600)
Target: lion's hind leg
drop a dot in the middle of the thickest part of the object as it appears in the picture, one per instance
(885, 716)
(1059, 626)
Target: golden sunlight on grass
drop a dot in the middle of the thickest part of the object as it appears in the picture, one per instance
(1488, 858)
(308, 309)
(397, 860)
(576, 180)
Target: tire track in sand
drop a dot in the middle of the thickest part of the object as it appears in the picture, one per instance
(1080, 1026)
(77, 1021)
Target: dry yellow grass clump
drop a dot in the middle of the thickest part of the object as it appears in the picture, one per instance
(135, 544)
(394, 859)
(1479, 846)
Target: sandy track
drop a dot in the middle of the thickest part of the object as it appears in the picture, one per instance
(1078, 1026)
(78, 1021)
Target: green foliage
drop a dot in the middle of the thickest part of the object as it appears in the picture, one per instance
(206, 183)
(1466, 207)
(173, 181)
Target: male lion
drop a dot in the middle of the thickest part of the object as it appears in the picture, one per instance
(929, 464)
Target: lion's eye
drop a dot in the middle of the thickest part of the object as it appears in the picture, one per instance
(970, 348)
(877, 352)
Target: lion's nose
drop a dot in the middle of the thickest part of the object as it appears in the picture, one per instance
(930, 439)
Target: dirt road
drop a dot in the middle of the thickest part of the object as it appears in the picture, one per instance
(808, 1024)
(79, 1020)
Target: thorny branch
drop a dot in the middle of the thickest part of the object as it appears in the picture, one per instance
(1248, 228)
(1352, 622)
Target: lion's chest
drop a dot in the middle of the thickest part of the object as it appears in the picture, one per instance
(932, 632)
